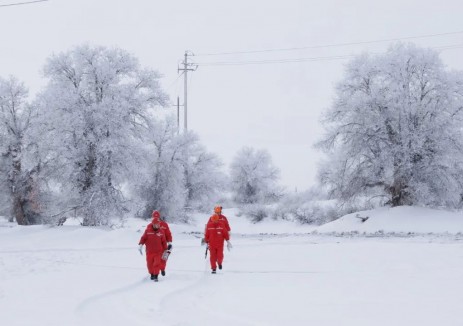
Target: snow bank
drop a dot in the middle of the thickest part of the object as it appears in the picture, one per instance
(403, 219)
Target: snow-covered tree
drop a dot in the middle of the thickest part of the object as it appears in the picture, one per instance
(179, 173)
(204, 180)
(254, 178)
(19, 168)
(163, 187)
(96, 109)
(395, 130)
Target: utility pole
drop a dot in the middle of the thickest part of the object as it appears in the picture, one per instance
(178, 114)
(186, 67)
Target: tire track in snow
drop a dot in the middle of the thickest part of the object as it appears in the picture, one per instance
(196, 292)
(188, 300)
(92, 303)
(91, 300)
(194, 287)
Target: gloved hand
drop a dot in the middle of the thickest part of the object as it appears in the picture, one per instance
(229, 245)
(169, 245)
(140, 249)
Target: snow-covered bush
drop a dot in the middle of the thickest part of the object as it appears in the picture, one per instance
(314, 207)
(255, 212)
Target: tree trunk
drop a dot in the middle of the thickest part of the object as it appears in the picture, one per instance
(15, 186)
(18, 210)
(399, 193)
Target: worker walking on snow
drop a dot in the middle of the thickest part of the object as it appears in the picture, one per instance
(215, 236)
(222, 218)
(155, 241)
(165, 228)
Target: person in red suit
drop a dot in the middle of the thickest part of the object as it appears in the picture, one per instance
(164, 227)
(222, 218)
(216, 235)
(155, 241)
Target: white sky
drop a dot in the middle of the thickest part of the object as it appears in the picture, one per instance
(266, 106)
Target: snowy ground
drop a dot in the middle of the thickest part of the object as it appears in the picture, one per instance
(278, 273)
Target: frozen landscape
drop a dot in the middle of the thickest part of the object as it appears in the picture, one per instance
(389, 270)
(290, 114)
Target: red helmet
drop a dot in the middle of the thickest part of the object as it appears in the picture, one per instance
(156, 214)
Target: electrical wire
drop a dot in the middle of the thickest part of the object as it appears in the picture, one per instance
(236, 63)
(308, 59)
(175, 81)
(331, 45)
(22, 3)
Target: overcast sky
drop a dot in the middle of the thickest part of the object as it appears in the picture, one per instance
(272, 106)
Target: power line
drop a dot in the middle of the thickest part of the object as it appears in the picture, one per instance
(239, 63)
(330, 45)
(174, 82)
(295, 60)
(22, 3)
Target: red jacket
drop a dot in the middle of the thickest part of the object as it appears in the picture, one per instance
(155, 240)
(223, 219)
(216, 234)
(165, 228)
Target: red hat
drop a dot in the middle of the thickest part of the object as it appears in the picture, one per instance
(156, 214)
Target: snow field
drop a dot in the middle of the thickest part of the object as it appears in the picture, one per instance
(80, 276)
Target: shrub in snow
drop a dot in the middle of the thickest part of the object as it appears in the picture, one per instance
(255, 212)
(310, 208)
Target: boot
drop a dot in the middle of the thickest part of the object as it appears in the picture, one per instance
(163, 273)
(155, 278)
(213, 271)
(152, 276)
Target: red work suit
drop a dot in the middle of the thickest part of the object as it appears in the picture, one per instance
(155, 242)
(216, 234)
(222, 219)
